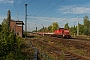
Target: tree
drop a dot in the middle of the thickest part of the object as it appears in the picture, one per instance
(55, 26)
(73, 30)
(86, 25)
(45, 29)
(5, 25)
(66, 26)
(8, 19)
(50, 28)
(81, 29)
(86, 22)
(10, 44)
(6, 22)
(0, 27)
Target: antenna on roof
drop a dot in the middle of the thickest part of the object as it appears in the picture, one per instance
(17, 15)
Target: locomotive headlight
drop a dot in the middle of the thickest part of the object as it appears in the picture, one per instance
(63, 35)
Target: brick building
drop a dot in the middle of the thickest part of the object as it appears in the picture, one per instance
(17, 27)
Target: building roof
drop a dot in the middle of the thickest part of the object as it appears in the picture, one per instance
(18, 22)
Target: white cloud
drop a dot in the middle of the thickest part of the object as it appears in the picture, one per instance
(73, 9)
(7, 1)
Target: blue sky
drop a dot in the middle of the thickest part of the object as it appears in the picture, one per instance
(44, 12)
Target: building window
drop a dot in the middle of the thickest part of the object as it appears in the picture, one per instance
(17, 33)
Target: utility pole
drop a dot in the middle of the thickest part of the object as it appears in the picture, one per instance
(26, 20)
(78, 26)
(43, 29)
(17, 15)
(36, 28)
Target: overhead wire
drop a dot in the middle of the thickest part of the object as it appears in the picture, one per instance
(27, 3)
(44, 6)
(53, 7)
(41, 9)
(21, 3)
(23, 6)
(30, 1)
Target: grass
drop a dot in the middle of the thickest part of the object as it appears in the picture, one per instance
(27, 50)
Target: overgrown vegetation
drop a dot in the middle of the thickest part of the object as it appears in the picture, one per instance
(10, 44)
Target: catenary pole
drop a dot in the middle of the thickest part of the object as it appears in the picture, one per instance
(26, 20)
(78, 26)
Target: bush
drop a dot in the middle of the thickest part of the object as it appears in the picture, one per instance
(10, 47)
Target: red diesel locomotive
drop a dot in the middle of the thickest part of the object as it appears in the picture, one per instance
(61, 32)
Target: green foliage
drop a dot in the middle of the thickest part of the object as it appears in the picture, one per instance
(50, 28)
(55, 26)
(5, 25)
(41, 30)
(73, 30)
(46, 29)
(0, 28)
(86, 25)
(87, 32)
(10, 46)
(66, 26)
(84, 29)
(86, 22)
(81, 29)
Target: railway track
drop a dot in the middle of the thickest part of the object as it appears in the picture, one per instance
(58, 51)
(76, 43)
(80, 45)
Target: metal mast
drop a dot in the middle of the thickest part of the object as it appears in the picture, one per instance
(26, 20)
(78, 26)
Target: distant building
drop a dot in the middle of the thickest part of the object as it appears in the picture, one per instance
(17, 27)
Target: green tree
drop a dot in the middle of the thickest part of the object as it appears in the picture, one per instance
(55, 26)
(9, 44)
(86, 22)
(5, 25)
(66, 26)
(50, 28)
(8, 19)
(45, 29)
(86, 25)
(0, 27)
(73, 30)
(81, 29)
